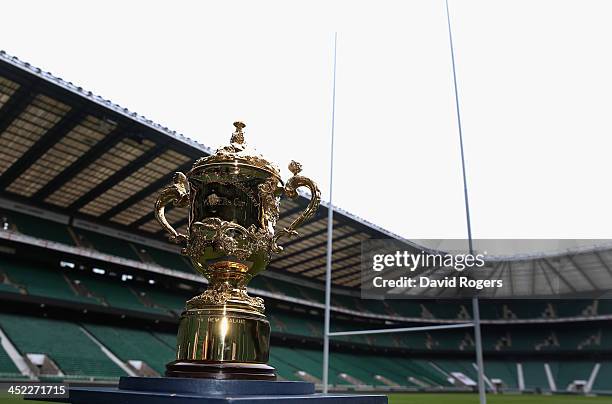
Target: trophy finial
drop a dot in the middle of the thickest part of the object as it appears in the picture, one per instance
(238, 135)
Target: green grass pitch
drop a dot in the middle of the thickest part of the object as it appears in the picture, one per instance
(459, 398)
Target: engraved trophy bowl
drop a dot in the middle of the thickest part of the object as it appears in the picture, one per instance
(233, 198)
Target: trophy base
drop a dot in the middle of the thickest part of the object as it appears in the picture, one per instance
(164, 390)
(223, 335)
(220, 371)
(228, 336)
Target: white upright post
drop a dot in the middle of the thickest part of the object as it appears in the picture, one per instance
(479, 359)
(330, 232)
(475, 308)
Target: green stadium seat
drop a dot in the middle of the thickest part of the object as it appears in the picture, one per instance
(463, 366)
(293, 324)
(565, 373)
(339, 326)
(108, 245)
(283, 370)
(448, 340)
(5, 287)
(316, 357)
(522, 340)
(348, 302)
(525, 309)
(423, 371)
(603, 381)
(292, 360)
(376, 306)
(406, 308)
(386, 340)
(164, 258)
(39, 227)
(490, 310)
(604, 306)
(8, 370)
(504, 370)
(571, 340)
(606, 339)
(63, 342)
(353, 366)
(168, 339)
(45, 282)
(391, 370)
(165, 299)
(535, 376)
(116, 293)
(571, 308)
(130, 344)
(269, 284)
(443, 310)
(495, 340)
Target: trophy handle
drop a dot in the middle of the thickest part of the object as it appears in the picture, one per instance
(291, 191)
(178, 193)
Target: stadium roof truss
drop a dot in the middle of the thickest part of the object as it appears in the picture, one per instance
(69, 151)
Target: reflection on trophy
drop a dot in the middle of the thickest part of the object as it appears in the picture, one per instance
(233, 198)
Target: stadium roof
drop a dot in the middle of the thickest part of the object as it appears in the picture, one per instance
(69, 151)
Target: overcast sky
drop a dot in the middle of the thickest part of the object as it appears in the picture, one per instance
(534, 82)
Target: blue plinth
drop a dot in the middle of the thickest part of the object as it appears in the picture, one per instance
(166, 390)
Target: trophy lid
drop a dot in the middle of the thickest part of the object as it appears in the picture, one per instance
(238, 152)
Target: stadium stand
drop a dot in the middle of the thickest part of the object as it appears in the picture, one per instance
(106, 244)
(36, 227)
(95, 289)
(130, 344)
(604, 378)
(8, 370)
(535, 376)
(566, 373)
(162, 258)
(168, 339)
(504, 371)
(166, 300)
(117, 295)
(76, 356)
(37, 281)
(460, 366)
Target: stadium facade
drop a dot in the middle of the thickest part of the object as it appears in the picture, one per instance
(90, 290)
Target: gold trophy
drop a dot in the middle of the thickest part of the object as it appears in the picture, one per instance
(233, 198)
